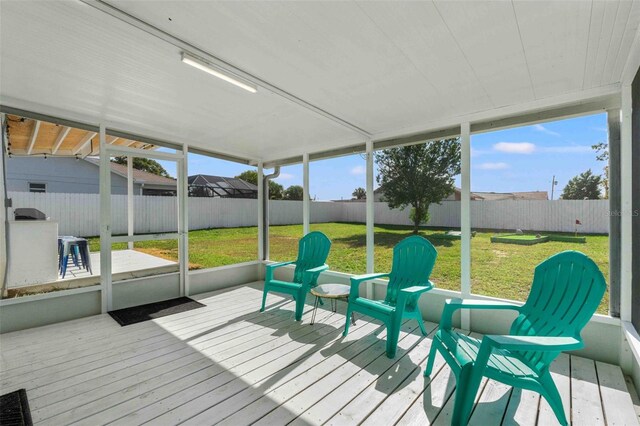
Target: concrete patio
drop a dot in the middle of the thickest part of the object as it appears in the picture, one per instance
(127, 264)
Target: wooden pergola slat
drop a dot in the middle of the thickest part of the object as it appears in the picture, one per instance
(64, 131)
(33, 137)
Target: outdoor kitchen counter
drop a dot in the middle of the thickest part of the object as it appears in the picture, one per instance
(34, 252)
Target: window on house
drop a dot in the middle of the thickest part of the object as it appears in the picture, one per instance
(37, 187)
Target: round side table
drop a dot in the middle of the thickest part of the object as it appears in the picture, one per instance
(333, 292)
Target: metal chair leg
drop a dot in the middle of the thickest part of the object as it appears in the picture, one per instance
(315, 309)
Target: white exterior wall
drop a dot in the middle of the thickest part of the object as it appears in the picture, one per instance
(61, 175)
(79, 214)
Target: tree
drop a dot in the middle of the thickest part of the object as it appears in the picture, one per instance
(294, 192)
(602, 154)
(585, 186)
(275, 189)
(145, 164)
(418, 175)
(359, 194)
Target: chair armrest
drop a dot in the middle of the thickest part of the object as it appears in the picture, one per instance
(452, 305)
(417, 289)
(412, 292)
(270, 267)
(309, 274)
(356, 280)
(279, 264)
(534, 343)
(317, 269)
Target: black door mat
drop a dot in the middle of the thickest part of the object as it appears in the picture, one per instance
(14, 409)
(151, 311)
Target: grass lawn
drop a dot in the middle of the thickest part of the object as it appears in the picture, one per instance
(499, 270)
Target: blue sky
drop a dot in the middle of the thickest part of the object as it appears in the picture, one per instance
(519, 159)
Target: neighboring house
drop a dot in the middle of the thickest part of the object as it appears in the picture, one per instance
(68, 175)
(378, 195)
(220, 186)
(499, 196)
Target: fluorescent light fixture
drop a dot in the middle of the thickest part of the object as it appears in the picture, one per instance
(223, 75)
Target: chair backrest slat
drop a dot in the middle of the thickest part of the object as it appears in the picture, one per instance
(413, 260)
(566, 291)
(313, 250)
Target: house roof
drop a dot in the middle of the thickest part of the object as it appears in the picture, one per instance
(408, 67)
(496, 196)
(526, 195)
(139, 176)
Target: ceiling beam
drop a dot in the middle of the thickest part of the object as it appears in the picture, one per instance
(62, 134)
(33, 137)
(86, 140)
(112, 141)
(225, 66)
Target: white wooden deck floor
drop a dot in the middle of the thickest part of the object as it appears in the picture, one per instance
(229, 364)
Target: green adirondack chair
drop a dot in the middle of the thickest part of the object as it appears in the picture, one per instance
(313, 250)
(567, 289)
(413, 260)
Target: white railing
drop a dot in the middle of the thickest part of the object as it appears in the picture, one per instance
(79, 214)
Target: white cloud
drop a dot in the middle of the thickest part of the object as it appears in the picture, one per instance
(576, 149)
(541, 128)
(477, 152)
(515, 147)
(285, 176)
(492, 166)
(358, 170)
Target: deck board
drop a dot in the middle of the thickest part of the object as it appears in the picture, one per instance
(227, 363)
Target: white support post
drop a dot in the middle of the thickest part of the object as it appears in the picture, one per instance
(465, 222)
(183, 221)
(3, 211)
(130, 200)
(305, 192)
(626, 194)
(105, 224)
(370, 216)
(261, 253)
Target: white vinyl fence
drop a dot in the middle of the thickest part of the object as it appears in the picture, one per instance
(79, 214)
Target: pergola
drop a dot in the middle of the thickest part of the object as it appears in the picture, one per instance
(315, 80)
(31, 137)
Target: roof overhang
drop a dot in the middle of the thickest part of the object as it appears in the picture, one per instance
(329, 75)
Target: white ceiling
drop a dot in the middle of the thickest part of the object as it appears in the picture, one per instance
(382, 66)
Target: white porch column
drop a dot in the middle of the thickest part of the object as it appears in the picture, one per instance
(105, 223)
(370, 216)
(626, 205)
(130, 200)
(3, 211)
(465, 220)
(305, 194)
(183, 220)
(260, 211)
